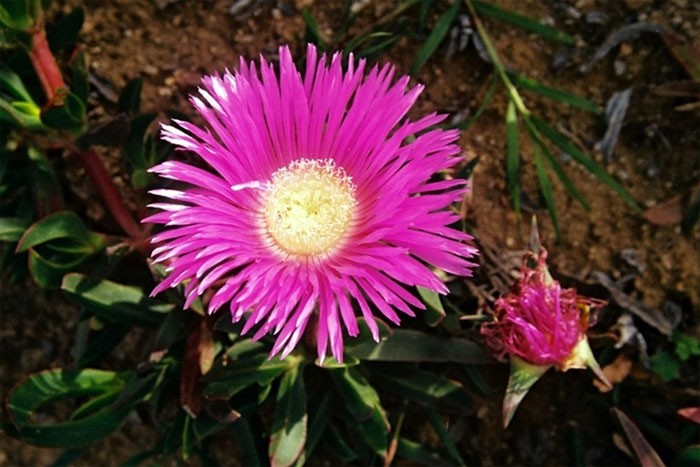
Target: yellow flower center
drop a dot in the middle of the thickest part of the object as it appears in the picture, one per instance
(308, 206)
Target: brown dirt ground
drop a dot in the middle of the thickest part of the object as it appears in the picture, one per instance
(170, 44)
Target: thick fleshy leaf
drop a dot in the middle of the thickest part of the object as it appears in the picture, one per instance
(70, 116)
(319, 416)
(423, 387)
(61, 225)
(417, 452)
(362, 401)
(406, 345)
(115, 302)
(222, 383)
(54, 385)
(435, 312)
(12, 228)
(289, 422)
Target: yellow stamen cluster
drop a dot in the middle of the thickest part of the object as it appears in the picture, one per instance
(308, 207)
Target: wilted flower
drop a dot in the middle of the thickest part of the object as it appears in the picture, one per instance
(321, 195)
(539, 325)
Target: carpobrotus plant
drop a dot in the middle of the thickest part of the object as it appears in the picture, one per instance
(321, 191)
(538, 326)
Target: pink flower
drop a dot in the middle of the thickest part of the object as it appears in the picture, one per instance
(539, 322)
(322, 199)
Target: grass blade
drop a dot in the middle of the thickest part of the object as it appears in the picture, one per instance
(554, 164)
(568, 147)
(545, 186)
(436, 36)
(559, 95)
(482, 107)
(513, 156)
(523, 22)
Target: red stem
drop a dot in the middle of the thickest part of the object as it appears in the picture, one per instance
(108, 192)
(46, 68)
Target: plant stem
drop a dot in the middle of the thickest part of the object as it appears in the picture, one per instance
(108, 191)
(46, 68)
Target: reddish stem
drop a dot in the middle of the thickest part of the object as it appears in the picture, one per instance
(108, 192)
(46, 68)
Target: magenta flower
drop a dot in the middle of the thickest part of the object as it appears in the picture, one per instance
(322, 199)
(539, 322)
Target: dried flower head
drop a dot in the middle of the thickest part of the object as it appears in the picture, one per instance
(539, 325)
(539, 322)
(321, 197)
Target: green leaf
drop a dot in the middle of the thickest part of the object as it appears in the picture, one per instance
(557, 94)
(320, 415)
(104, 341)
(225, 382)
(513, 155)
(289, 422)
(12, 228)
(686, 346)
(47, 273)
(115, 302)
(546, 187)
(63, 34)
(666, 365)
(70, 116)
(435, 313)
(445, 438)
(407, 345)
(11, 83)
(417, 453)
(20, 14)
(362, 401)
(312, 34)
(569, 148)
(61, 225)
(130, 97)
(553, 164)
(424, 387)
(490, 11)
(689, 457)
(54, 385)
(436, 36)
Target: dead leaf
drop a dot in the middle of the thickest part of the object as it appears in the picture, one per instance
(645, 454)
(690, 413)
(665, 213)
(615, 373)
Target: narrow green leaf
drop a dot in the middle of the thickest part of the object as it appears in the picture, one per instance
(435, 312)
(442, 27)
(115, 302)
(246, 442)
(546, 187)
(568, 147)
(561, 175)
(312, 33)
(445, 438)
(482, 106)
(289, 421)
(513, 155)
(557, 94)
(416, 452)
(490, 11)
(47, 273)
(103, 343)
(406, 345)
